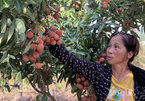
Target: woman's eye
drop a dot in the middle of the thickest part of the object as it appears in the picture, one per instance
(116, 46)
(109, 45)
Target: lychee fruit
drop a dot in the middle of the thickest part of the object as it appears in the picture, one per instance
(105, 5)
(59, 42)
(80, 86)
(32, 59)
(104, 55)
(40, 48)
(43, 37)
(47, 11)
(33, 45)
(47, 40)
(57, 8)
(38, 65)
(83, 79)
(51, 34)
(53, 43)
(56, 15)
(86, 83)
(59, 32)
(35, 54)
(102, 60)
(30, 35)
(25, 57)
(53, 28)
(52, 39)
(78, 80)
(56, 37)
(119, 10)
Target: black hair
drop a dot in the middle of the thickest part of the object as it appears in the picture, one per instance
(130, 42)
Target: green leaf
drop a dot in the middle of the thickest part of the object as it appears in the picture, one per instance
(6, 52)
(4, 22)
(20, 26)
(44, 98)
(114, 24)
(9, 71)
(37, 97)
(43, 5)
(31, 2)
(38, 1)
(16, 36)
(23, 37)
(11, 31)
(1, 37)
(40, 33)
(18, 4)
(74, 89)
(7, 3)
(13, 64)
(3, 67)
(9, 22)
(4, 56)
(101, 28)
(52, 8)
(20, 29)
(28, 46)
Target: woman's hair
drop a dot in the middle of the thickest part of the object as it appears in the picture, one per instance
(131, 43)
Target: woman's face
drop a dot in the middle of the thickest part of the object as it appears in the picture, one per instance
(116, 51)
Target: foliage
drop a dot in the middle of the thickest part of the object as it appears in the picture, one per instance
(87, 29)
(139, 60)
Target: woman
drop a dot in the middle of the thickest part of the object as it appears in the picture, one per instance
(120, 81)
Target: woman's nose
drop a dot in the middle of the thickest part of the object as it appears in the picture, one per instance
(109, 50)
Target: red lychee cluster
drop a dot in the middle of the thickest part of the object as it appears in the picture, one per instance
(89, 98)
(102, 59)
(38, 44)
(53, 36)
(36, 47)
(56, 14)
(82, 83)
(77, 4)
(105, 3)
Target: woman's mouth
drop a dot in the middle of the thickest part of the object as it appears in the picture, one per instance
(109, 57)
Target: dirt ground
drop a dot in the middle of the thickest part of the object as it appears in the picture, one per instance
(59, 92)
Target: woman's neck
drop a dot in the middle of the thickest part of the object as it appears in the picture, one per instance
(120, 71)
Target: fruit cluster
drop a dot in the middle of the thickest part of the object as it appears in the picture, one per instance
(37, 45)
(51, 36)
(56, 14)
(105, 3)
(77, 4)
(89, 98)
(102, 59)
(82, 83)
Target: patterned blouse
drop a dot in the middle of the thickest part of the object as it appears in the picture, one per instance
(98, 74)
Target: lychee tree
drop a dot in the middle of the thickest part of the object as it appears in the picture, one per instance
(27, 27)
(102, 19)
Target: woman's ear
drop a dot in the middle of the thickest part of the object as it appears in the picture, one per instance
(130, 54)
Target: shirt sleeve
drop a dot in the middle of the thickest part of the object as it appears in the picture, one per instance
(85, 68)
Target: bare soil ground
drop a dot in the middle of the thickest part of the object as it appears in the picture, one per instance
(59, 92)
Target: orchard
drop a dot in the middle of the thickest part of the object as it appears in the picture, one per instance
(28, 27)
